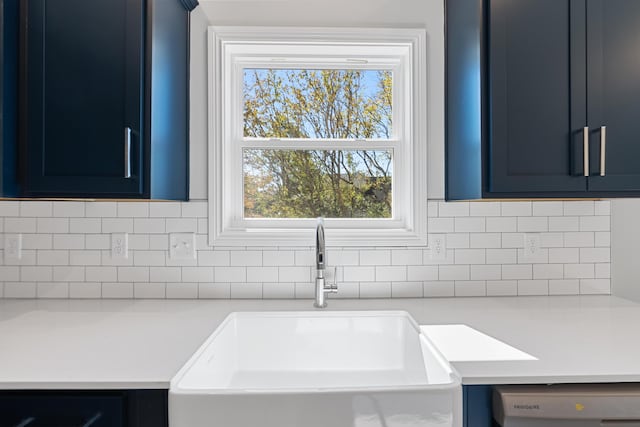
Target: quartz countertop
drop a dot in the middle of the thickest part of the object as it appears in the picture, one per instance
(141, 344)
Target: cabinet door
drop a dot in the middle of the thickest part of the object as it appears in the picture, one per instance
(83, 88)
(614, 93)
(537, 100)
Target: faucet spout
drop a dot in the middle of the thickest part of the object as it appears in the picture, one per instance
(322, 286)
(320, 248)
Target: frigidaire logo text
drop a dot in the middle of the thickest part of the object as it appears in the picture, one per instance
(527, 407)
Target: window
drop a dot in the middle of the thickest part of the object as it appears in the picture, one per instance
(317, 122)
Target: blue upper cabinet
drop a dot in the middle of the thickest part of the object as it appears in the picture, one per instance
(103, 100)
(530, 84)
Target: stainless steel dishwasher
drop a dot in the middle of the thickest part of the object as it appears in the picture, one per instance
(567, 405)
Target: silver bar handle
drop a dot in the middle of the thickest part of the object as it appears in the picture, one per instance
(603, 150)
(585, 143)
(127, 152)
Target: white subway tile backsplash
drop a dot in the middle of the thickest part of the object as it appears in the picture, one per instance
(391, 274)
(552, 240)
(564, 287)
(470, 225)
(356, 274)
(602, 238)
(230, 274)
(513, 240)
(470, 288)
(603, 271)
(133, 274)
(52, 290)
(440, 225)
(502, 224)
(117, 290)
(149, 225)
(548, 271)
(540, 257)
(37, 241)
(100, 209)
(470, 256)
(214, 290)
(579, 271)
(454, 272)
(486, 272)
(46, 257)
(548, 208)
(20, 225)
(579, 208)
(595, 286)
(564, 255)
(261, 274)
(68, 241)
(533, 224)
(149, 290)
(133, 209)
(68, 209)
(517, 272)
(453, 209)
(375, 289)
(37, 209)
(277, 290)
(246, 258)
(180, 225)
(406, 257)
(485, 240)
(85, 290)
(85, 225)
(182, 290)
(603, 207)
(516, 209)
(101, 274)
(375, 257)
(20, 290)
(305, 257)
(97, 241)
(9, 208)
(501, 288)
(10, 273)
(485, 209)
(440, 289)
(165, 210)
(406, 289)
(502, 256)
(533, 287)
(595, 255)
(36, 274)
(196, 209)
(421, 273)
(149, 258)
(595, 223)
(117, 225)
(247, 291)
(458, 240)
(564, 223)
(579, 239)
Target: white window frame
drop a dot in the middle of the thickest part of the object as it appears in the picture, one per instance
(232, 49)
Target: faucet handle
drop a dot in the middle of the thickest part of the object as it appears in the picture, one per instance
(333, 287)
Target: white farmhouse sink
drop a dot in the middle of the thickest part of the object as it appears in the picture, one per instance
(311, 369)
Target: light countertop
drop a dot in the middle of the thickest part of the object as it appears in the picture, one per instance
(102, 344)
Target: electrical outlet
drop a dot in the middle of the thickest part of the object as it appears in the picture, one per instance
(531, 246)
(12, 247)
(182, 246)
(119, 246)
(438, 245)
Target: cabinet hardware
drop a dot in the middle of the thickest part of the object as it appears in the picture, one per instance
(603, 150)
(127, 152)
(585, 144)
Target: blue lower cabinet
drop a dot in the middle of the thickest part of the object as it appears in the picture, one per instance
(131, 408)
(477, 406)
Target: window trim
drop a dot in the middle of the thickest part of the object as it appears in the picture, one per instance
(407, 229)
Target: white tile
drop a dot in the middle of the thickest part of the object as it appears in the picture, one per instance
(247, 291)
(564, 287)
(470, 225)
(484, 209)
(440, 225)
(149, 290)
(406, 257)
(214, 290)
(502, 224)
(85, 225)
(470, 288)
(502, 256)
(595, 223)
(533, 287)
(10, 273)
(37, 241)
(602, 238)
(391, 274)
(517, 272)
(36, 274)
(230, 274)
(306, 290)
(578, 208)
(358, 274)
(262, 274)
(133, 274)
(579, 271)
(278, 290)
(46, 257)
(595, 287)
(133, 209)
(194, 210)
(97, 241)
(68, 209)
(117, 290)
(100, 209)
(117, 225)
(165, 210)
(182, 225)
(149, 225)
(564, 255)
(485, 240)
(427, 259)
(595, 255)
(547, 209)
(579, 239)
(85, 290)
(432, 208)
(501, 288)
(203, 226)
(457, 240)
(603, 271)
(308, 258)
(438, 289)
(8, 208)
(470, 256)
(182, 290)
(422, 273)
(28, 258)
(138, 242)
(246, 258)
(346, 290)
(540, 257)
(602, 207)
(344, 257)
(548, 271)
(68, 241)
(486, 272)
(512, 240)
(38, 209)
(551, 240)
(564, 223)
(52, 290)
(101, 274)
(20, 225)
(149, 258)
(214, 258)
(85, 257)
(19, 290)
(533, 224)
(453, 209)
(202, 242)
(375, 290)
(375, 257)
(406, 289)
(180, 262)
(516, 208)
(453, 272)
(159, 242)
(165, 274)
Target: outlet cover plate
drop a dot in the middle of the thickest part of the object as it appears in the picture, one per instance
(12, 247)
(182, 246)
(531, 246)
(119, 245)
(438, 245)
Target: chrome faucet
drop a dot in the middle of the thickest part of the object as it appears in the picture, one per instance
(322, 287)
